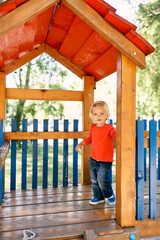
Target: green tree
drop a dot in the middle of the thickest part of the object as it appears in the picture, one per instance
(44, 73)
(148, 84)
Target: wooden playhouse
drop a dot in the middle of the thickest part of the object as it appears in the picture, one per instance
(92, 41)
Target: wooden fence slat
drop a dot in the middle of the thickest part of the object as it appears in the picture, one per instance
(1, 132)
(55, 155)
(152, 169)
(145, 153)
(35, 156)
(45, 156)
(158, 155)
(24, 156)
(75, 156)
(140, 170)
(13, 157)
(65, 156)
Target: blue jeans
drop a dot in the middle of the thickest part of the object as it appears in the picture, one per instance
(101, 185)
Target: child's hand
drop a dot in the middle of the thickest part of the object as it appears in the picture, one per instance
(79, 146)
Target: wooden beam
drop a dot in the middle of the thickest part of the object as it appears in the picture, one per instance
(64, 61)
(89, 234)
(148, 227)
(44, 135)
(2, 95)
(146, 134)
(146, 142)
(39, 94)
(89, 84)
(23, 14)
(23, 60)
(106, 30)
(125, 142)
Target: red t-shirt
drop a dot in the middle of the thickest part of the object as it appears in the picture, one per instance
(102, 142)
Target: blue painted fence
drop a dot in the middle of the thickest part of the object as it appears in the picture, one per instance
(45, 156)
(141, 168)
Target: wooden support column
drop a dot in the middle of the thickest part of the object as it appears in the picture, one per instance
(2, 116)
(125, 142)
(2, 95)
(89, 84)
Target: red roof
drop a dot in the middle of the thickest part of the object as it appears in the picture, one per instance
(70, 36)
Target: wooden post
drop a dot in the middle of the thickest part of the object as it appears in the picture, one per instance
(125, 142)
(89, 84)
(2, 95)
(3, 111)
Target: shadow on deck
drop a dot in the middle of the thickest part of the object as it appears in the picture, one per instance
(59, 213)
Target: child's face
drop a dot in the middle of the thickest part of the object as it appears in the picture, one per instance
(99, 116)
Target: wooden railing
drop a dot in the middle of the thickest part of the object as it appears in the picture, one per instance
(151, 140)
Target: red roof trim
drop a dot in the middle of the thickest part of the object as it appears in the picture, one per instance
(120, 23)
(140, 42)
(100, 6)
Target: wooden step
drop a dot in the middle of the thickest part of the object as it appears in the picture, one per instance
(68, 231)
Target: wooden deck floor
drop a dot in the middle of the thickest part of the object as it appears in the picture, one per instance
(60, 213)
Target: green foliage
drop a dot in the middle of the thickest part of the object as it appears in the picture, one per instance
(148, 86)
(44, 73)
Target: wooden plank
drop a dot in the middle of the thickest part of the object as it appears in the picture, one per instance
(23, 14)
(47, 191)
(148, 227)
(152, 169)
(89, 234)
(106, 30)
(58, 219)
(64, 61)
(13, 157)
(52, 208)
(2, 165)
(89, 85)
(65, 156)
(44, 135)
(23, 60)
(146, 142)
(125, 150)
(55, 155)
(35, 156)
(76, 37)
(125, 235)
(24, 156)
(75, 155)
(4, 149)
(40, 199)
(40, 94)
(139, 170)
(146, 134)
(45, 155)
(145, 153)
(73, 231)
(2, 95)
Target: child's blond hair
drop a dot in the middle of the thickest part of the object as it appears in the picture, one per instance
(102, 104)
